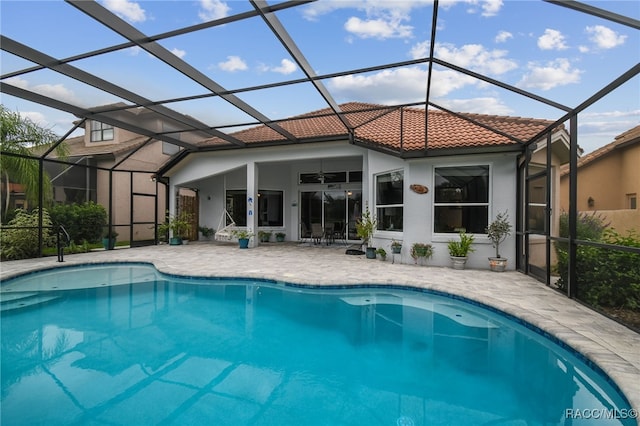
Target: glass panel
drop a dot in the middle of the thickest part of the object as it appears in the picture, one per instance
(237, 207)
(389, 218)
(538, 256)
(462, 184)
(335, 209)
(310, 211)
(355, 176)
(389, 188)
(355, 212)
(471, 219)
(335, 177)
(270, 208)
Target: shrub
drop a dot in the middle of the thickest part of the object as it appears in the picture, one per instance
(82, 221)
(606, 277)
(21, 241)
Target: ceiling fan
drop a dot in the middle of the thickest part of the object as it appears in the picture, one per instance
(321, 175)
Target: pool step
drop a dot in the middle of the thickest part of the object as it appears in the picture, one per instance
(21, 300)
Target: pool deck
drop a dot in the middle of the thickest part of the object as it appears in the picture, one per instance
(611, 346)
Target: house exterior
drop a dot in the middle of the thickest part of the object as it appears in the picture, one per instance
(609, 182)
(103, 152)
(469, 166)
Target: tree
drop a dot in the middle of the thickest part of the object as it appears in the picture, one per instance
(19, 136)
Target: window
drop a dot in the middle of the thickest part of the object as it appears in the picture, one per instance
(101, 132)
(632, 201)
(461, 200)
(389, 201)
(270, 207)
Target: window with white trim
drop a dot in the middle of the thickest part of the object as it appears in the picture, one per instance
(101, 132)
(390, 201)
(461, 199)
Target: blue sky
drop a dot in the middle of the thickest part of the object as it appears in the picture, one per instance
(539, 47)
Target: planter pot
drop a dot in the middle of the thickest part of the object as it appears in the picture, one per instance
(109, 243)
(458, 262)
(185, 242)
(396, 249)
(371, 252)
(279, 239)
(243, 243)
(498, 264)
(175, 241)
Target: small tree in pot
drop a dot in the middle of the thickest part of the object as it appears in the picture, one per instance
(498, 231)
(365, 227)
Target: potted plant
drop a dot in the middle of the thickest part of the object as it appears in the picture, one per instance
(109, 239)
(459, 250)
(498, 231)
(264, 236)
(382, 253)
(365, 227)
(421, 250)
(396, 246)
(280, 236)
(243, 237)
(178, 225)
(206, 232)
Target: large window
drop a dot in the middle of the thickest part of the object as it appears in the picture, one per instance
(101, 132)
(461, 201)
(270, 207)
(389, 201)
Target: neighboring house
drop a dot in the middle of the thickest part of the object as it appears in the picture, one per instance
(609, 182)
(131, 159)
(470, 166)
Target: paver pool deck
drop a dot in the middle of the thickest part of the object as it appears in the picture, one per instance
(610, 345)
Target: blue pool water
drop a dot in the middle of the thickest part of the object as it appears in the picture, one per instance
(141, 348)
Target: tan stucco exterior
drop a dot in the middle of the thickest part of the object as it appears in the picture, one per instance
(608, 180)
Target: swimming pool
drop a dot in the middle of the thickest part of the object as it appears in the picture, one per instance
(129, 345)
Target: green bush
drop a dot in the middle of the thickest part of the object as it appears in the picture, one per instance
(21, 241)
(83, 222)
(606, 277)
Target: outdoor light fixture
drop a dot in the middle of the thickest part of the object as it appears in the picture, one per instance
(591, 202)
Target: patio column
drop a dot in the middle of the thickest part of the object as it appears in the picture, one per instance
(252, 202)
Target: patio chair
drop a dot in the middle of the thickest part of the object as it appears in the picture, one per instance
(317, 233)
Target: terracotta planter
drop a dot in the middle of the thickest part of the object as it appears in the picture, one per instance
(497, 264)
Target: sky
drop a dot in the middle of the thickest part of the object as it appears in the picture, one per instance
(544, 49)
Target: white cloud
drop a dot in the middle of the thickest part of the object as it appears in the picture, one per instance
(420, 50)
(596, 129)
(605, 38)
(127, 10)
(232, 64)
(179, 52)
(55, 91)
(552, 40)
(491, 7)
(555, 73)
(286, 67)
(35, 117)
(503, 36)
(476, 57)
(398, 85)
(377, 28)
(213, 9)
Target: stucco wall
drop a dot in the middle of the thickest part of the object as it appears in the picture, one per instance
(278, 168)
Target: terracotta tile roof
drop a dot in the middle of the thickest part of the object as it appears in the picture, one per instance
(77, 148)
(631, 136)
(382, 126)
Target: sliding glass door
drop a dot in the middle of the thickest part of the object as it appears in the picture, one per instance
(336, 210)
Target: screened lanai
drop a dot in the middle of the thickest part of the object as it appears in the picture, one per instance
(213, 76)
